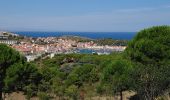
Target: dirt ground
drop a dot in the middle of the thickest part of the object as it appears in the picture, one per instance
(21, 96)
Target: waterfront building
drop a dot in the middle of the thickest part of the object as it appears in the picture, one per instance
(3, 35)
(9, 42)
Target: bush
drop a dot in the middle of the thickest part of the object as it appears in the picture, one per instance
(43, 96)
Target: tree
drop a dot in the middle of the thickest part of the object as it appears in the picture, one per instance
(116, 76)
(21, 75)
(150, 53)
(8, 57)
(82, 74)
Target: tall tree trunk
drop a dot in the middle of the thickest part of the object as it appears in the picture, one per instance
(121, 95)
(0, 89)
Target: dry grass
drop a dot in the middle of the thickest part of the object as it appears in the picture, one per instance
(21, 96)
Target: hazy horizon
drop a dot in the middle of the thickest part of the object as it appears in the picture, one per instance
(5, 30)
(83, 16)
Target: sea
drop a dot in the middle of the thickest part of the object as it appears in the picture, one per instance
(91, 35)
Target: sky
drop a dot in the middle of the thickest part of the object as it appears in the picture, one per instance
(83, 15)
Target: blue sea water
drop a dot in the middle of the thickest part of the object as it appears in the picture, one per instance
(86, 51)
(92, 35)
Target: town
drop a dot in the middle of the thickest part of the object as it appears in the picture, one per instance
(41, 47)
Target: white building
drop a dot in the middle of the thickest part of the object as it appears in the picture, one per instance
(9, 42)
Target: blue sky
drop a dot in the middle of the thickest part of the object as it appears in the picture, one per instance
(83, 15)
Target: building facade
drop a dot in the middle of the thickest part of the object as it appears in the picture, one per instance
(9, 42)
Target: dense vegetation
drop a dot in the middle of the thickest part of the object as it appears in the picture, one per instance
(143, 68)
(105, 41)
(111, 42)
(150, 53)
(73, 75)
(8, 57)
